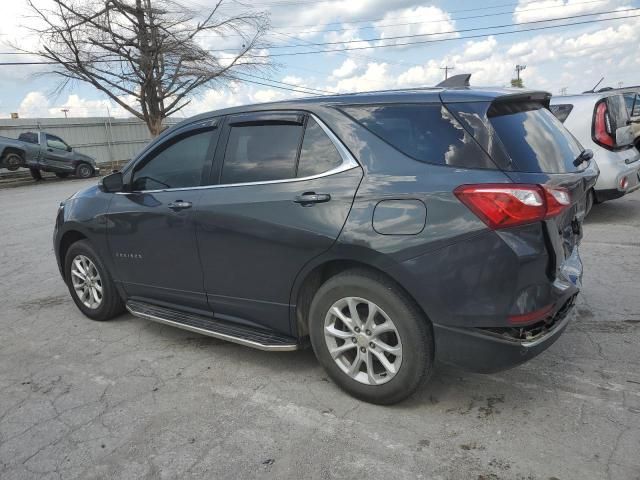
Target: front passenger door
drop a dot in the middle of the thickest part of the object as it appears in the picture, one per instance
(57, 153)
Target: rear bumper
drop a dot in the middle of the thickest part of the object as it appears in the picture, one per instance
(488, 350)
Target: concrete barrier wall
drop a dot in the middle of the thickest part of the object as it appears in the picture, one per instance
(105, 139)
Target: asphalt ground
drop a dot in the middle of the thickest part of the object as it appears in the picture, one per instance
(131, 399)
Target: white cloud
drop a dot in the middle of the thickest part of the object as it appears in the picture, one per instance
(421, 76)
(347, 68)
(436, 23)
(528, 11)
(374, 78)
(481, 49)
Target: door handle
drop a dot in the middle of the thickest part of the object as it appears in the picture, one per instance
(49, 149)
(309, 198)
(179, 205)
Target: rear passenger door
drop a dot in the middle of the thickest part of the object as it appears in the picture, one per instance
(282, 188)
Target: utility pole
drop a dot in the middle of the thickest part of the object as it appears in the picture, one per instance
(519, 68)
(65, 110)
(446, 69)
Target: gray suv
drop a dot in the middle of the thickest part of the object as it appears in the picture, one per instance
(386, 229)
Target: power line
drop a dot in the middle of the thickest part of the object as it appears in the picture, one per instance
(420, 42)
(485, 15)
(369, 47)
(311, 90)
(415, 35)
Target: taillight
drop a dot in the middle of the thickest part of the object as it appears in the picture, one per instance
(602, 131)
(507, 205)
(624, 183)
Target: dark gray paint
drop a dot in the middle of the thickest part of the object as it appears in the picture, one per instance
(246, 250)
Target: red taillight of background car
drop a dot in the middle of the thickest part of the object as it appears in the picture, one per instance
(602, 131)
(508, 205)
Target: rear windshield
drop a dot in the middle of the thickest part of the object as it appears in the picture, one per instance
(618, 111)
(534, 138)
(425, 132)
(561, 111)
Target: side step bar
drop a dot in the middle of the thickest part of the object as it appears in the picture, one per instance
(243, 335)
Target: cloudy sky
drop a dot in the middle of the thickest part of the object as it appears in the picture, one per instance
(464, 34)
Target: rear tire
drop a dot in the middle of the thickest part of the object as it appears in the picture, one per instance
(80, 262)
(375, 379)
(84, 170)
(13, 161)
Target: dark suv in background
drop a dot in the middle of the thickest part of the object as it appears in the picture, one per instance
(389, 228)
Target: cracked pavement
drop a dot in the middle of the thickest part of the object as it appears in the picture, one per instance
(130, 398)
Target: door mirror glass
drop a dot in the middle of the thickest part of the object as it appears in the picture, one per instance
(69, 149)
(112, 182)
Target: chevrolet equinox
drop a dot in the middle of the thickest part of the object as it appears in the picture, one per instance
(387, 229)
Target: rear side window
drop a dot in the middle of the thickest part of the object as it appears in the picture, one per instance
(428, 133)
(29, 137)
(534, 138)
(318, 153)
(561, 111)
(258, 153)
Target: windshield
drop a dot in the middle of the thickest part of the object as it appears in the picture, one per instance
(535, 140)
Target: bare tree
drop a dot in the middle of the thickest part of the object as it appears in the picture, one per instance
(147, 55)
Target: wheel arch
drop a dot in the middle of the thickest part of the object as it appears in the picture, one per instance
(15, 150)
(68, 238)
(310, 280)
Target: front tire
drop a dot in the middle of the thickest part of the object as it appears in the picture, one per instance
(370, 337)
(84, 170)
(90, 283)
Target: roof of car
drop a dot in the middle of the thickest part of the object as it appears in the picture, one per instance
(414, 95)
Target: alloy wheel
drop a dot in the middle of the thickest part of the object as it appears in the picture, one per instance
(86, 282)
(363, 340)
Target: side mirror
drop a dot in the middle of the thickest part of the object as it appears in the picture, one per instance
(69, 149)
(112, 182)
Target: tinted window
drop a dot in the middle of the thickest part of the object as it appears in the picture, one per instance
(618, 111)
(179, 165)
(258, 153)
(29, 137)
(561, 111)
(318, 153)
(427, 133)
(55, 142)
(534, 139)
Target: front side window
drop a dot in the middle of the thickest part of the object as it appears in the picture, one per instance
(318, 153)
(258, 153)
(179, 165)
(424, 132)
(55, 142)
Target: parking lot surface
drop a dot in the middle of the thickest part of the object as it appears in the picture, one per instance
(130, 398)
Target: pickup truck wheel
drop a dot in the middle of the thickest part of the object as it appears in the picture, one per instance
(90, 283)
(84, 170)
(370, 337)
(13, 161)
(62, 174)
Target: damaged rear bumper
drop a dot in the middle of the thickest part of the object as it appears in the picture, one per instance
(487, 350)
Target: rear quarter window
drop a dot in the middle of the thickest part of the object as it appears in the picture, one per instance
(534, 139)
(425, 132)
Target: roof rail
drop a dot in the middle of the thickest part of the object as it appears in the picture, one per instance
(460, 80)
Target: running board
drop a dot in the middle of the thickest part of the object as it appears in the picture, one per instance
(243, 335)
